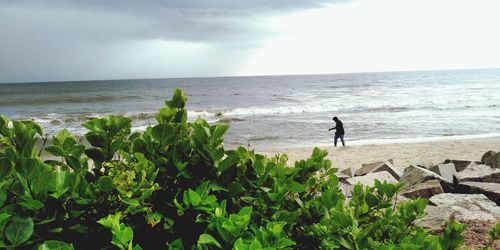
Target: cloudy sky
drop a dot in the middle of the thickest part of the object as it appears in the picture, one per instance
(49, 40)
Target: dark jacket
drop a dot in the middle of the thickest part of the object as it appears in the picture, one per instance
(339, 128)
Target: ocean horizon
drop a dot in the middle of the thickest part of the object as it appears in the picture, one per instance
(280, 110)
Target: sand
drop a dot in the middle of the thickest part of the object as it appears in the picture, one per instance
(403, 154)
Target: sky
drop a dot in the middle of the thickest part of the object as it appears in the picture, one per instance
(54, 40)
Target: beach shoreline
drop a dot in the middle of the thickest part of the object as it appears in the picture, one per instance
(404, 152)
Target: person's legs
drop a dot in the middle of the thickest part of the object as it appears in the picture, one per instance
(342, 139)
(335, 140)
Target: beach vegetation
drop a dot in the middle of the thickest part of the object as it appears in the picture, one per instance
(175, 186)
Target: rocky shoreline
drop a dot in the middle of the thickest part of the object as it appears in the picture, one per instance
(464, 190)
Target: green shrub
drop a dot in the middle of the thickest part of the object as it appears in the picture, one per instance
(174, 186)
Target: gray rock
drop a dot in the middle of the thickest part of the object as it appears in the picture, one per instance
(491, 190)
(435, 219)
(460, 165)
(414, 175)
(424, 190)
(467, 207)
(346, 189)
(347, 171)
(389, 167)
(399, 199)
(493, 161)
(481, 173)
(369, 179)
(367, 168)
(342, 175)
(424, 164)
(446, 170)
(487, 155)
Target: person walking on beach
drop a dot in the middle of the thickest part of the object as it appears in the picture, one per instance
(339, 131)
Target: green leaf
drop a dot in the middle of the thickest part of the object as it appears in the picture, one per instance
(178, 100)
(118, 145)
(163, 133)
(3, 193)
(106, 184)
(31, 204)
(3, 217)
(5, 167)
(112, 221)
(296, 187)
(207, 239)
(73, 162)
(55, 245)
(371, 200)
(57, 194)
(123, 236)
(54, 150)
(95, 154)
(220, 130)
(194, 198)
(19, 230)
(228, 162)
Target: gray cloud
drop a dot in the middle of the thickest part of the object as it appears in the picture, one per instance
(56, 39)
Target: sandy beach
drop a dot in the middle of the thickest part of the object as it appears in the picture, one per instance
(403, 153)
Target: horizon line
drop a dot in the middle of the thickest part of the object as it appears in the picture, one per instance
(242, 76)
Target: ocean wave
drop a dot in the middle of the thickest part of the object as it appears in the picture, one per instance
(60, 100)
(343, 108)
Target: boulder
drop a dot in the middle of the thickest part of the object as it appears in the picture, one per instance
(347, 171)
(424, 190)
(487, 155)
(367, 168)
(342, 175)
(446, 170)
(389, 167)
(399, 199)
(481, 173)
(369, 179)
(467, 207)
(346, 189)
(435, 218)
(461, 164)
(415, 175)
(379, 167)
(490, 190)
(493, 161)
(424, 164)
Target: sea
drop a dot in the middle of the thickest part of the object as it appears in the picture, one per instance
(281, 111)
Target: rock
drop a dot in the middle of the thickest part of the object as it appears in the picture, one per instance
(414, 175)
(342, 176)
(460, 165)
(379, 167)
(369, 179)
(424, 164)
(435, 219)
(399, 199)
(481, 173)
(446, 170)
(487, 155)
(347, 171)
(493, 161)
(367, 168)
(467, 207)
(491, 190)
(424, 190)
(346, 189)
(389, 167)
